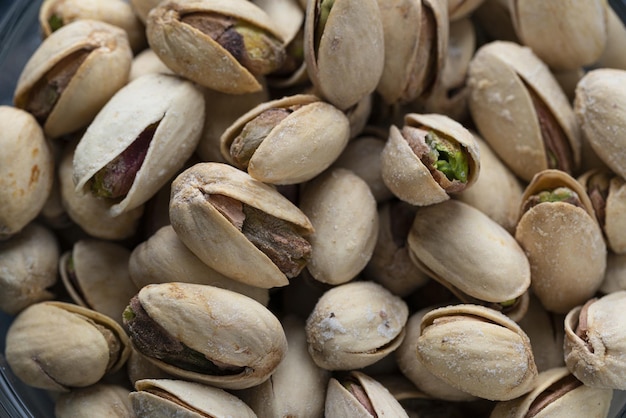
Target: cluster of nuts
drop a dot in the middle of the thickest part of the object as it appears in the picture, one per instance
(349, 208)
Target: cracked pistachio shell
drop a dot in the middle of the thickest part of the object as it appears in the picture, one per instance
(175, 105)
(557, 394)
(471, 255)
(563, 243)
(406, 175)
(343, 212)
(228, 328)
(101, 400)
(164, 398)
(595, 343)
(477, 350)
(196, 56)
(501, 78)
(108, 58)
(59, 346)
(95, 274)
(164, 258)
(26, 170)
(354, 325)
(213, 238)
(346, 63)
(600, 107)
(343, 400)
(28, 268)
(297, 148)
(564, 35)
(287, 14)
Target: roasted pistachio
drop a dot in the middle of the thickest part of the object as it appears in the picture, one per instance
(101, 400)
(459, 9)
(147, 62)
(612, 56)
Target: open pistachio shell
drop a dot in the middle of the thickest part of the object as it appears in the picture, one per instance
(215, 239)
(563, 243)
(69, 67)
(162, 398)
(477, 350)
(309, 136)
(407, 175)
(101, 400)
(225, 339)
(521, 111)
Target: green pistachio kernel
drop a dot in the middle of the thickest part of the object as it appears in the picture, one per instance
(449, 157)
(55, 22)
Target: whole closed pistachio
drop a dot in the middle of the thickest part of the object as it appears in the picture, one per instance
(205, 334)
(241, 227)
(101, 400)
(69, 63)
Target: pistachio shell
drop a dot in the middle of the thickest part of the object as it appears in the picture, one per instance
(612, 57)
(615, 277)
(147, 62)
(143, 7)
(459, 9)
(101, 400)
(287, 14)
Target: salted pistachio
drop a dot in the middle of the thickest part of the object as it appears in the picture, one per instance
(359, 395)
(354, 325)
(477, 350)
(413, 59)
(557, 394)
(59, 346)
(101, 400)
(95, 274)
(152, 140)
(286, 141)
(430, 157)
(343, 212)
(594, 342)
(472, 255)
(163, 258)
(612, 56)
(562, 240)
(226, 339)
(225, 216)
(147, 62)
(564, 35)
(28, 268)
(223, 45)
(343, 49)
(54, 14)
(26, 170)
(461, 9)
(615, 276)
(521, 111)
(497, 192)
(600, 108)
(69, 63)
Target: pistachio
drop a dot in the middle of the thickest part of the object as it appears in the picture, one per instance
(102, 398)
(612, 56)
(459, 9)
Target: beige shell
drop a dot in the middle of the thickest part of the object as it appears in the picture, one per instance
(101, 399)
(227, 327)
(147, 62)
(500, 77)
(493, 17)
(58, 346)
(299, 147)
(155, 98)
(460, 9)
(139, 367)
(26, 170)
(179, 398)
(110, 59)
(195, 55)
(406, 175)
(354, 325)
(615, 277)
(598, 359)
(198, 223)
(477, 350)
(343, 212)
(287, 14)
(563, 243)
(580, 401)
(143, 7)
(348, 63)
(600, 106)
(613, 56)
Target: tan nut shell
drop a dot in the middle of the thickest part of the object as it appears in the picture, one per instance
(298, 148)
(26, 170)
(405, 174)
(227, 327)
(355, 325)
(178, 398)
(615, 277)
(601, 363)
(503, 111)
(142, 8)
(613, 56)
(147, 62)
(84, 96)
(563, 243)
(489, 356)
(211, 237)
(102, 399)
(195, 55)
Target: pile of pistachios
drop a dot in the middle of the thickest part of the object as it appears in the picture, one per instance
(339, 208)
